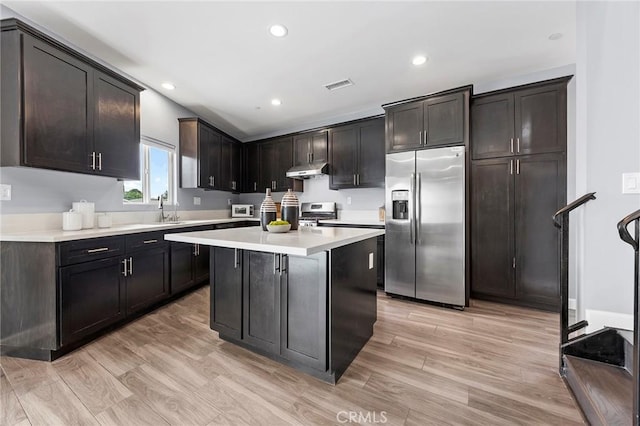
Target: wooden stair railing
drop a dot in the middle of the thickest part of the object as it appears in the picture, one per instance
(634, 241)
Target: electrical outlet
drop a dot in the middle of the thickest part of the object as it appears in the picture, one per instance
(349, 201)
(196, 201)
(5, 192)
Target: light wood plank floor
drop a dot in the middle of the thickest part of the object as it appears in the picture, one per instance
(489, 365)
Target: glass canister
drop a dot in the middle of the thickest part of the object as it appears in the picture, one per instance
(290, 209)
(267, 210)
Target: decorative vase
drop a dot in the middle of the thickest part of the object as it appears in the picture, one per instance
(267, 211)
(290, 209)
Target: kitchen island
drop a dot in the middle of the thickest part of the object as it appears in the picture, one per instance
(305, 298)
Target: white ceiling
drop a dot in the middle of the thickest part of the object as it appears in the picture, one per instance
(227, 67)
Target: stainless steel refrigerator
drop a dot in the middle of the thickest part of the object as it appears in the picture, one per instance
(425, 225)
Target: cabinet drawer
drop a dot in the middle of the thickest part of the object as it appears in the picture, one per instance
(85, 250)
(145, 240)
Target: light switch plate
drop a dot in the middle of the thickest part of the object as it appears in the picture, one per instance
(5, 192)
(196, 201)
(631, 183)
(370, 260)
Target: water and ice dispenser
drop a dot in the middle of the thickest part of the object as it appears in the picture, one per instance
(400, 202)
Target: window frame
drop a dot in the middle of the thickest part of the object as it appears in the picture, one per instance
(145, 177)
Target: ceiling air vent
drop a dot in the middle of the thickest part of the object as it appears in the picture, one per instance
(339, 84)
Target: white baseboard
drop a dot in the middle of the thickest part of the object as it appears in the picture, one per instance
(572, 304)
(600, 319)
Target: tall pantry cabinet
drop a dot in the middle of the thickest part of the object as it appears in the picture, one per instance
(518, 181)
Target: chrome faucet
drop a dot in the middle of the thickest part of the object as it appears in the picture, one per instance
(163, 217)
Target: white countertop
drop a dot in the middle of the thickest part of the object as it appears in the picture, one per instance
(303, 242)
(58, 235)
(354, 222)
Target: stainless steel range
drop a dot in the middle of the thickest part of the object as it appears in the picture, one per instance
(311, 213)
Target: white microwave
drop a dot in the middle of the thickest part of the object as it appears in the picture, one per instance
(242, 210)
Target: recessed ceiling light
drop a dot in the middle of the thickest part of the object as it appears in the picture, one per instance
(555, 36)
(278, 30)
(276, 102)
(419, 60)
(168, 85)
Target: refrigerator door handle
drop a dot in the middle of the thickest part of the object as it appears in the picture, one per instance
(412, 209)
(418, 206)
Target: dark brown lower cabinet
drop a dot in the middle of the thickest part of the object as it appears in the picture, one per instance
(226, 291)
(147, 278)
(515, 246)
(261, 299)
(303, 310)
(189, 266)
(92, 296)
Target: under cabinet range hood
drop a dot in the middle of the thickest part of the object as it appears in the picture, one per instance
(306, 171)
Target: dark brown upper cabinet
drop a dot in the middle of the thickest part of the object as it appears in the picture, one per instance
(276, 157)
(64, 111)
(519, 122)
(310, 148)
(437, 120)
(209, 159)
(356, 155)
(252, 167)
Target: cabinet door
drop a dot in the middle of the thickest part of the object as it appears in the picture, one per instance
(539, 193)
(226, 291)
(343, 156)
(236, 167)
(492, 131)
(201, 264)
(182, 266)
(492, 238)
(225, 164)
(268, 152)
(261, 300)
(148, 278)
(304, 307)
(206, 146)
(371, 158)
(444, 120)
(252, 168)
(116, 128)
(58, 119)
(319, 146)
(302, 149)
(284, 156)
(405, 126)
(91, 298)
(215, 160)
(541, 120)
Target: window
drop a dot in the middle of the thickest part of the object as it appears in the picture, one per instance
(157, 165)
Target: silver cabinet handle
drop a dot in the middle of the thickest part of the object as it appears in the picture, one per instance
(124, 267)
(93, 160)
(420, 137)
(518, 167)
(235, 259)
(511, 146)
(274, 184)
(255, 186)
(99, 161)
(276, 263)
(213, 181)
(312, 156)
(354, 179)
(418, 206)
(412, 193)
(149, 241)
(358, 175)
(131, 266)
(98, 250)
(518, 145)
(510, 167)
(195, 249)
(283, 267)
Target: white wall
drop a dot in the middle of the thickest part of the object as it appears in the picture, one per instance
(608, 132)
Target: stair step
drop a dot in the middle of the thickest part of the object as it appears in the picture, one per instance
(603, 391)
